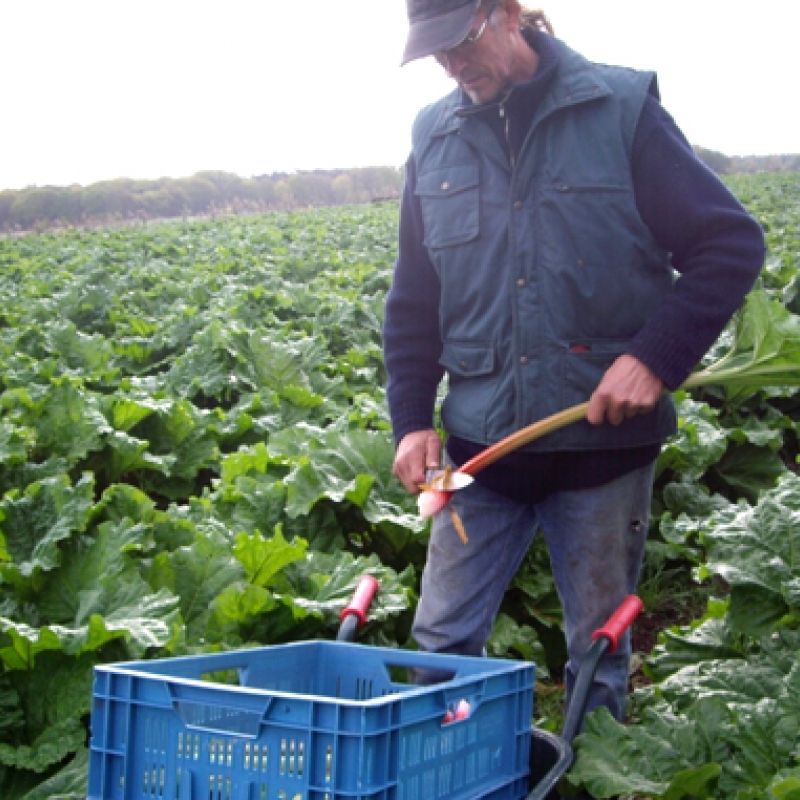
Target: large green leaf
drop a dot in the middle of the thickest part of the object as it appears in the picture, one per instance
(699, 442)
(252, 504)
(757, 551)
(264, 559)
(182, 433)
(325, 582)
(54, 712)
(90, 568)
(747, 471)
(785, 786)
(205, 367)
(765, 740)
(21, 644)
(123, 503)
(511, 640)
(667, 757)
(14, 443)
(740, 681)
(765, 350)
(130, 409)
(195, 575)
(129, 610)
(352, 465)
(67, 418)
(235, 610)
(125, 608)
(320, 528)
(79, 351)
(36, 521)
(534, 583)
(51, 747)
(710, 638)
(68, 783)
(130, 455)
(741, 715)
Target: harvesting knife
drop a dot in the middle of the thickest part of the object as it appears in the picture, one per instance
(446, 480)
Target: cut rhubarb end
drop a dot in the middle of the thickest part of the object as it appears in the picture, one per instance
(432, 502)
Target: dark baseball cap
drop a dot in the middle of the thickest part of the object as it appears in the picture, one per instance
(437, 25)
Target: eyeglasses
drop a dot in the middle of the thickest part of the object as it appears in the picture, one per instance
(466, 43)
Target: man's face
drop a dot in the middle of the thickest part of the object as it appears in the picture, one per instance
(483, 65)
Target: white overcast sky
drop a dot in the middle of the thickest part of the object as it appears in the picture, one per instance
(99, 89)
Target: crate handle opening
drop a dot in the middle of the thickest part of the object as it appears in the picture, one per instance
(404, 674)
(227, 677)
(221, 719)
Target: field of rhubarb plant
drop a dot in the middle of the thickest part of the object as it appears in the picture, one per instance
(195, 456)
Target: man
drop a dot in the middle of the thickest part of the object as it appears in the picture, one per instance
(548, 205)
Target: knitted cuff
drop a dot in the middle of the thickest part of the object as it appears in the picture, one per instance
(408, 417)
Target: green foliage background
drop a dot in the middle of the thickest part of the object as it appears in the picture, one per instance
(195, 455)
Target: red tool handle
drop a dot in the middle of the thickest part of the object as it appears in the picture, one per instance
(620, 621)
(362, 598)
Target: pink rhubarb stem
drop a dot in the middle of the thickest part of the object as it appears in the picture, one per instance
(524, 436)
(545, 426)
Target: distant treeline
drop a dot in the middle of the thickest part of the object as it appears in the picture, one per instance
(209, 193)
(730, 165)
(205, 193)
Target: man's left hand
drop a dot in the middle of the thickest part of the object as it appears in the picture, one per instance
(628, 388)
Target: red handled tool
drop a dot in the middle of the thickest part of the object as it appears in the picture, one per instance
(354, 615)
(551, 755)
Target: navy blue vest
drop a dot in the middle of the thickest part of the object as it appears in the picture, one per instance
(547, 269)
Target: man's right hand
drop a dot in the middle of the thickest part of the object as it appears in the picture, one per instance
(416, 453)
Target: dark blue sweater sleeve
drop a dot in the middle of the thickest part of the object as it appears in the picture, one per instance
(715, 245)
(412, 341)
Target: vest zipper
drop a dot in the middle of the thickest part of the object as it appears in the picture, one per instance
(506, 119)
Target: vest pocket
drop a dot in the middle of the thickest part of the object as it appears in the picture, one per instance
(585, 362)
(449, 198)
(467, 359)
(472, 388)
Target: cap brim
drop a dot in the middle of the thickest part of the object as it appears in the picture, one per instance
(429, 36)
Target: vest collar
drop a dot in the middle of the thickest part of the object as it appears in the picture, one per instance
(576, 81)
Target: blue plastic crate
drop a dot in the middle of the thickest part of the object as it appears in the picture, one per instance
(310, 721)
